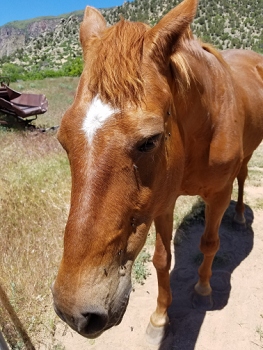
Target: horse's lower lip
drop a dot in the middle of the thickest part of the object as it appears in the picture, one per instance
(97, 334)
(93, 335)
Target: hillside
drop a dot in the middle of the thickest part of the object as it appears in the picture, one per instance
(52, 43)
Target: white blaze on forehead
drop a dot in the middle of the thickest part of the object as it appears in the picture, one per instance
(97, 114)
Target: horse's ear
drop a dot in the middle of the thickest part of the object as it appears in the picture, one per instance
(93, 25)
(161, 40)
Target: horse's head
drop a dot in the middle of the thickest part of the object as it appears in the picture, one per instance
(118, 137)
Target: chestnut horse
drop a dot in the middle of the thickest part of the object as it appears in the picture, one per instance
(157, 114)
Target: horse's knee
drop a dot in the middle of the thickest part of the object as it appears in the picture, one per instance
(161, 257)
(209, 247)
(162, 262)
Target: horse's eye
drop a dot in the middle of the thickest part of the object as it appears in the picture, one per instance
(149, 144)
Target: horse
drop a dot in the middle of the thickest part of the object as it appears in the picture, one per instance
(157, 114)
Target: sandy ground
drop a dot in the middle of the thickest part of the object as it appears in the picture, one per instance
(236, 318)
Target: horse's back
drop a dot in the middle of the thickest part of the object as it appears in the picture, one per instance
(247, 71)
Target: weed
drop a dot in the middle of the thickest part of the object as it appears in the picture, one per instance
(140, 271)
(58, 347)
(260, 332)
(20, 87)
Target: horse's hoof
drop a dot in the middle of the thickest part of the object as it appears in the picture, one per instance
(203, 302)
(155, 335)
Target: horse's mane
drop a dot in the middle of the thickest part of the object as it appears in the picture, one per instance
(115, 64)
(188, 43)
(211, 49)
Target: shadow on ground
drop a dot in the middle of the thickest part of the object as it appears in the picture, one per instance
(236, 244)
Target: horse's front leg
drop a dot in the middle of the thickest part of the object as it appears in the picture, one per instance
(162, 262)
(216, 204)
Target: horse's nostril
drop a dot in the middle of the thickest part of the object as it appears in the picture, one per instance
(87, 317)
(90, 323)
(82, 322)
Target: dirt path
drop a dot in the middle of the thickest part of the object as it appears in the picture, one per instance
(236, 318)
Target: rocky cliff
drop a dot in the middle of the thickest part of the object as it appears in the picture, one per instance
(19, 35)
(11, 39)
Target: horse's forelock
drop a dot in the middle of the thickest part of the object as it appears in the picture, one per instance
(114, 64)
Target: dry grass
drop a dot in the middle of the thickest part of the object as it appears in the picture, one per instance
(34, 200)
(34, 203)
(35, 187)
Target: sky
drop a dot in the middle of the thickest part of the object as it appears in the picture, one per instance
(14, 10)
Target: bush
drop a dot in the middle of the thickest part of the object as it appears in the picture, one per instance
(73, 67)
(13, 71)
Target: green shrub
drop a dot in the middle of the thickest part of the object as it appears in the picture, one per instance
(73, 67)
(13, 71)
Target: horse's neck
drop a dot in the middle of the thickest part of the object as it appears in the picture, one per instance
(197, 105)
(202, 110)
(189, 97)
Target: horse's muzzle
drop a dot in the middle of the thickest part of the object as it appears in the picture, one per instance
(91, 313)
(88, 324)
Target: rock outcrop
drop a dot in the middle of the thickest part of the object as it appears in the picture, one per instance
(11, 39)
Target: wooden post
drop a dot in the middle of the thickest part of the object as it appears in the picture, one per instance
(3, 345)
